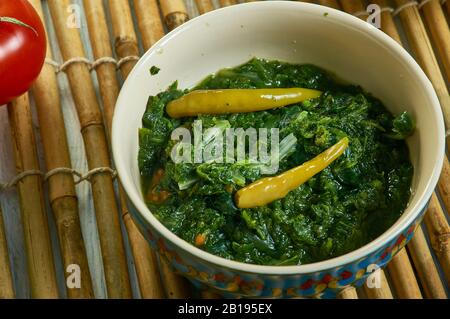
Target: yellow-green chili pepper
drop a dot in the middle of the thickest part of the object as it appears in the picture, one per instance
(269, 189)
(236, 101)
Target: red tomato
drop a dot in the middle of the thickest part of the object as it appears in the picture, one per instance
(22, 48)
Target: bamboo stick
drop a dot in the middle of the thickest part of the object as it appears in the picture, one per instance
(425, 267)
(406, 284)
(226, 3)
(41, 269)
(149, 21)
(354, 6)
(101, 47)
(174, 13)
(62, 195)
(173, 283)
(204, 6)
(151, 17)
(93, 131)
(439, 29)
(439, 232)
(176, 286)
(330, 3)
(403, 278)
(384, 292)
(6, 283)
(348, 293)
(125, 42)
(207, 294)
(444, 183)
(145, 259)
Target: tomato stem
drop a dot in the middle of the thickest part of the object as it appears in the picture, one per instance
(18, 22)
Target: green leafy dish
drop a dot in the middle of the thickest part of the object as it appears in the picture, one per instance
(345, 206)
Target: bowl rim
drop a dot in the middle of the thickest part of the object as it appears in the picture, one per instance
(336, 262)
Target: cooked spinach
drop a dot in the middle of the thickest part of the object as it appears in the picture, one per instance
(344, 207)
(154, 70)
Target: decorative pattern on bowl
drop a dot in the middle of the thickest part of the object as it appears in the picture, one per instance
(231, 284)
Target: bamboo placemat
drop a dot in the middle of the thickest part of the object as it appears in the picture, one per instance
(55, 156)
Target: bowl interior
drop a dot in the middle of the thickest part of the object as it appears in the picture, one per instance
(293, 32)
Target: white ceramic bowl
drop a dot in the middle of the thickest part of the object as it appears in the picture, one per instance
(299, 33)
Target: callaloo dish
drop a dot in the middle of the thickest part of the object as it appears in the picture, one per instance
(345, 204)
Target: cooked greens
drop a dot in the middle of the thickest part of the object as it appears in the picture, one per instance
(342, 208)
(154, 70)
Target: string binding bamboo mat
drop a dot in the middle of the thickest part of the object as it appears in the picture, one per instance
(59, 186)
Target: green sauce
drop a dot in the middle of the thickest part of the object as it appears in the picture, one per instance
(344, 207)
